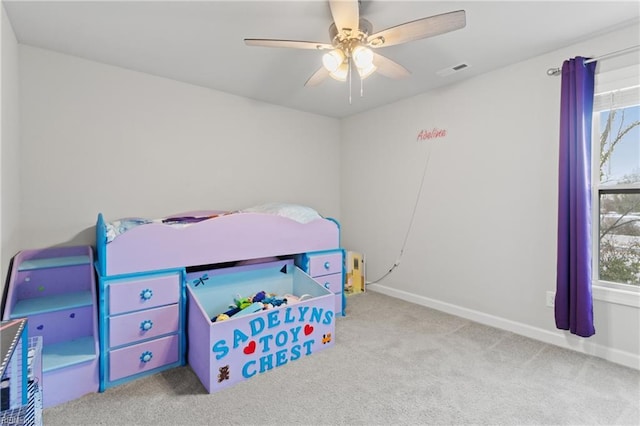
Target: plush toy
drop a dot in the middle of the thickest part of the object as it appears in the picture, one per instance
(221, 317)
(241, 302)
(226, 315)
(254, 307)
(291, 299)
(259, 296)
(274, 300)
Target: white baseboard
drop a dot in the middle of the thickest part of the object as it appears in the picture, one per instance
(557, 338)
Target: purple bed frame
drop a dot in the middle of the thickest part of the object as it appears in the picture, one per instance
(233, 237)
(158, 248)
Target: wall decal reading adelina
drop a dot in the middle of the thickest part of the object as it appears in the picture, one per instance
(431, 134)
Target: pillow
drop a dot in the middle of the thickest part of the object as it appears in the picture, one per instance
(121, 226)
(302, 214)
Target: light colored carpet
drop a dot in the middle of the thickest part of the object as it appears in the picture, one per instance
(394, 363)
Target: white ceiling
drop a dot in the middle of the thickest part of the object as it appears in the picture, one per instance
(201, 42)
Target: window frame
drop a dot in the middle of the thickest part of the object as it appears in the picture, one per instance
(607, 291)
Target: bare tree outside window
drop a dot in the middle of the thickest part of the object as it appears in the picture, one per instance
(619, 195)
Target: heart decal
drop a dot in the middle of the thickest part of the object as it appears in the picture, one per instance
(250, 348)
(308, 329)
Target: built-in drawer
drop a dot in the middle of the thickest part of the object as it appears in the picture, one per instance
(325, 263)
(143, 357)
(142, 325)
(133, 294)
(333, 282)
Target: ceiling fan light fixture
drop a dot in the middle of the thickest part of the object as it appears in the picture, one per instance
(363, 57)
(341, 72)
(333, 60)
(366, 72)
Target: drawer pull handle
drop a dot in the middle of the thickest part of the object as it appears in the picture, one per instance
(146, 325)
(327, 265)
(146, 294)
(146, 356)
(327, 285)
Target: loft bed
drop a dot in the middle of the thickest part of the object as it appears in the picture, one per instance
(136, 245)
(145, 293)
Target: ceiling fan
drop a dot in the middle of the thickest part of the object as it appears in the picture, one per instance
(352, 42)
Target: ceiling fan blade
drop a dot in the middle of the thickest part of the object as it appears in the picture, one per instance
(295, 44)
(418, 29)
(317, 77)
(389, 68)
(346, 14)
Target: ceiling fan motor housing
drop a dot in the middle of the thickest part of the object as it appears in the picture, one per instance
(349, 37)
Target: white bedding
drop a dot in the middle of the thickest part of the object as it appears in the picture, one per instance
(302, 214)
(299, 213)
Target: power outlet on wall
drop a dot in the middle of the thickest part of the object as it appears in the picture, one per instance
(551, 299)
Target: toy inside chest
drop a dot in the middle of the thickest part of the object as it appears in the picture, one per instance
(247, 320)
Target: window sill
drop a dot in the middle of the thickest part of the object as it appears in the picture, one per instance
(607, 293)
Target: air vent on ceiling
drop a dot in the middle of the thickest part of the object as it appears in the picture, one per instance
(450, 70)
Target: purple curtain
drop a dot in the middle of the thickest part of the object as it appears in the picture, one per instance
(574, 303)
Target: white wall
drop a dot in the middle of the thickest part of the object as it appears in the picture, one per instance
(9, 149)
(98, 138)
(483, 242)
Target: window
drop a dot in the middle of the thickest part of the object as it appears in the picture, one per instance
(616, 180)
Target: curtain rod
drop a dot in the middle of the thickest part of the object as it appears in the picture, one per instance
(556, 71)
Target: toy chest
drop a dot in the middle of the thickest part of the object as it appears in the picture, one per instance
(223, 353)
